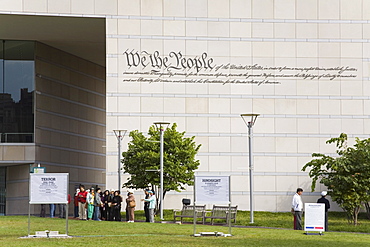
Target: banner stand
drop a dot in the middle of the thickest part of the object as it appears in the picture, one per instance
(314, 223)
(212, 189)
(194, 221)
(48, 188)
(29, 219)
(229, 219)
(67, 218)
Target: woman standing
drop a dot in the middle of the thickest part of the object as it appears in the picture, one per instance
(152, 202)
(106, 209)
(82, 203)
(130, 206)
(90, 204)
(116, 203)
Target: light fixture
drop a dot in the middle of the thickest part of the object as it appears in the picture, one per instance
(119, 134)
(161, 126)
(253, 118)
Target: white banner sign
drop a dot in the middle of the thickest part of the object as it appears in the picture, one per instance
(46, 188)
(212, 189)
(314, 219)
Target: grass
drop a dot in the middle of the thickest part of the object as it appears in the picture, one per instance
(106, 233)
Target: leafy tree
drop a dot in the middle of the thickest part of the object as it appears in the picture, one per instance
(142, 160)
(346, 176)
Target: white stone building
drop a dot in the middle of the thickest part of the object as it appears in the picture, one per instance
(302, 65)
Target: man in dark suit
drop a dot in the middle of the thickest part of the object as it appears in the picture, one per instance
(327, 206)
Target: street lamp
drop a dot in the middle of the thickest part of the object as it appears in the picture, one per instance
(253, 118)
(119, 134)
(161, 126)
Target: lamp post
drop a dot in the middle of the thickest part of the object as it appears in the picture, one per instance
(253, 118)
(119, 135)
(161, 126)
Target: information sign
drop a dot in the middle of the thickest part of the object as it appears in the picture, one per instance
(46, 188)
(38, 169)
(212, 189)
(314, 217)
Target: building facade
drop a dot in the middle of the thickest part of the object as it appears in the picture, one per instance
(125, 64)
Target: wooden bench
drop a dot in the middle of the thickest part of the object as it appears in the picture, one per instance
(222, 212)
(187, 211)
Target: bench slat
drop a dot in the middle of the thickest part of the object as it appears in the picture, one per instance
(218, 212)
(221, 212)
(188, 212)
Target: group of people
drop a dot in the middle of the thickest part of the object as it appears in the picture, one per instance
(297, 208)
(93, 204)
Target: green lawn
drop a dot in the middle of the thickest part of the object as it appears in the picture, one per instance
(337, 220)
(92, 233)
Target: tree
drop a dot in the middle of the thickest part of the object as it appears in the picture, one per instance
(346, 176)
(142, 160)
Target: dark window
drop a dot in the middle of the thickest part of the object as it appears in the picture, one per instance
(17, 72)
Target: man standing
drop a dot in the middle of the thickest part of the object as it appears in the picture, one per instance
(76, 203)
(52, 210)
(327, 206)
(297, 209)
(97, 204)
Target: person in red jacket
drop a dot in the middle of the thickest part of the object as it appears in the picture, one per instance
(76, 203)
(82, 203)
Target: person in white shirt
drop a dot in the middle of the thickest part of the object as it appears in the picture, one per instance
(297, 209)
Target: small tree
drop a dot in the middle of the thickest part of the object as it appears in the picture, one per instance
(347, 176)
(142, 160)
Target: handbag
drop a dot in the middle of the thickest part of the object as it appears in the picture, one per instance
(132, 204)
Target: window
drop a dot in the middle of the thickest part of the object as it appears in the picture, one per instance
(17, 79)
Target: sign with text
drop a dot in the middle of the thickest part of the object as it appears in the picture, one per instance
(177, 67)
(314, 217)
(46, 188)
(212, 189)
(38, 169)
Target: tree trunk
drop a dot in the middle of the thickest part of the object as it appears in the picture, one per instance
(355, 215)
(158, 197)
(158, 201)
(367, 206)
